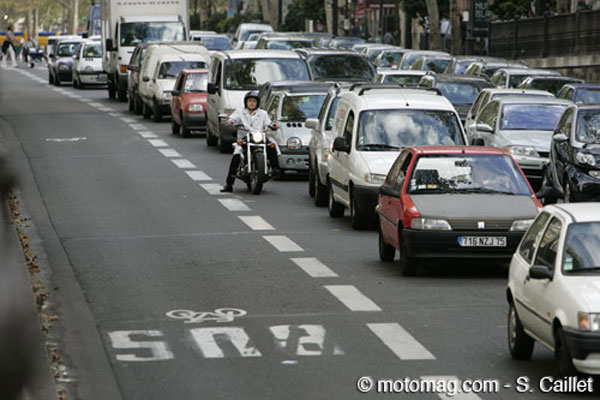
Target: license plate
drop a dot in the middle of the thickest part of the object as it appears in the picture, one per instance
(482, 241)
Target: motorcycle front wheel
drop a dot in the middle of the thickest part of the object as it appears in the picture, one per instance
(257, 174)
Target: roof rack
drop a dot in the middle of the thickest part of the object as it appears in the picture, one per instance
(382, 86)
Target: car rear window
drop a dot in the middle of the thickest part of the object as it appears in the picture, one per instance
(170, 69)
(459, 93)
(341, 67)
(249, 73)
(587, 96)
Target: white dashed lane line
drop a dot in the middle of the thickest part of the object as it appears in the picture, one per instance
(198, 176)
(314, 268)
(158, 143)
(183, 163)
(213, 188)
(234, 205)
(256, 223)
(116, 114)
(400, 342)
(283, 243)
(129, 120)
(148, 135)
(352, 298)
(456, 384)
(165, 152)
(138, 127)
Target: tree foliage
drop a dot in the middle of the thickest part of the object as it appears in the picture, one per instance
(301, 10)
(510, 9)
(418, 8)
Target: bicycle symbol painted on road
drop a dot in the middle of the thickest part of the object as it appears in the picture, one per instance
(219, 315)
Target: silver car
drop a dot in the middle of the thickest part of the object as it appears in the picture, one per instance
(523, 126)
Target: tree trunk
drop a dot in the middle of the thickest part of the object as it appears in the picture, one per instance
(264, 5)
(75, 16)
(203, 8)
(434, 25)
(455, 24)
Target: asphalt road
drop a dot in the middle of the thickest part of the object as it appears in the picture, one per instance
(130, 223)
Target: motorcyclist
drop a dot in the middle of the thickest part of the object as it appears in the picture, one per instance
(252, 118)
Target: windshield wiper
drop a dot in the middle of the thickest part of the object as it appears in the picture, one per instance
(372, 146)
(485, 190)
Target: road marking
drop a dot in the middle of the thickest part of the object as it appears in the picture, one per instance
(456, 384)
(129, 120)
(234, 205)
(138, 127)
(283, 243)
(86, 100)
(105, 109)
(256, 223)
(400, 342)
(94, 104)
(352, 298)
(225, 314)
(165, 152)
(116, 114)
(198, 176)
(217, 341)
(75, 139)
(147, 134)
(122, 340)
(184, 164)
(314, 267)
(304, 340)
(158, 143)
(213, 188)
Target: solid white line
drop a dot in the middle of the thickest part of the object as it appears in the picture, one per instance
(158, 143)
(256, 223)
(456, 384)
(234, 205)
(184, 164)
(105, 109)
(165, 152)
(198, 176)
(147, 134)
(137, 127)
(212, 188)
(400, 342)
(283, 243)
(352, 298)
(314, 267)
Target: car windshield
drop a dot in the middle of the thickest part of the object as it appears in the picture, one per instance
(414, 79)
(92, 50)
(248, 74)
(588, 126)
(299, 108)
(530, 117)
(133, 33)
(195, 83)
(381, 130)
(516, 79)
(461, 66)
(459, 93)
(170, 69)
(341, 67)
(373, 54)
(437, 65)
(408, 60)
(66, 49)
(480, 173)
(582, 249)
(587, 96)
(550, 85)
(213, 42)
(287, 44)
(245, 35)
(390, 59)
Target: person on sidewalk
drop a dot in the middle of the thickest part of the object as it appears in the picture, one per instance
(8, 47)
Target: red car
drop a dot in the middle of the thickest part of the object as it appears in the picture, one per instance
(188, 104)
(453, 202)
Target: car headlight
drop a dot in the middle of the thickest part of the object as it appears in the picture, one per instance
(522, 151)
(589, 321)
(595, 174)
(430, 224)
(585, 159)
(294, 143)
(88, 69)
(64, 67)
(257, 137)
(521, 224)
(374, 178)
(196, 107)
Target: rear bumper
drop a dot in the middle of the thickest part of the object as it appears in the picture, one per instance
(194, 121)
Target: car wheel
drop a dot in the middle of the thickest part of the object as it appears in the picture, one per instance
(321, 192)
(131, 103)
(386, 252)
(311, 180)
(359, 219)
(407, 264)
(139, 106)
(175, 127)
(520, 344)
(156, 114)
(564, 362)
(336, 210)
(146, 111)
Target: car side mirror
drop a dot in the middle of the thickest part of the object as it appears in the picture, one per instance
(387, 190)
(540, 272)
(212, 88)
(484, 127)
(477, 142)
(311, 123)
(110, 45)
(175, 92)
(560, 137)
(146, 79)
(340, 144)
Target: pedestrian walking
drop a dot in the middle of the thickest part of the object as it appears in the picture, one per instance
(8, 47)
(445, 31)
(388, 38)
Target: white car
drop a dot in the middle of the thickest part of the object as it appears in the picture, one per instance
(87, 65)
(372, 124)
(554, 289)
(403, 77)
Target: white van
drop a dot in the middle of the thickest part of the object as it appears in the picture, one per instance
(159, 72)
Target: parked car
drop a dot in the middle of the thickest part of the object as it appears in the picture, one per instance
(551, 84)
(87, 65)
(434, 63)
(233, 73)
(337, 65)
(523, 126)
(400, 76)
(372, 124)
(51, 45)
(459, 89)
(552, 289)
(487, 68)
(188, 102)
(453, 202)
(512, 77)
(389, 59)
(60, 66)
(411, 56)
(581, 93)
(374, 51)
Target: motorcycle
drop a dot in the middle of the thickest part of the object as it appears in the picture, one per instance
(254, 168)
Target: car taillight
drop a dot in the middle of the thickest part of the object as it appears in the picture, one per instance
(123, 69)
(410, 210)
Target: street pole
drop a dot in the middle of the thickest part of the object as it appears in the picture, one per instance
(380, 20)
(334, 12)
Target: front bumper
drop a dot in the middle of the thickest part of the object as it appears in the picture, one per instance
(366, 198)
(194, 121)
(584, 187)
(293, 160)
(584, 347)
(532, 168)
(95, 78)
(65, 74)
(444, 244)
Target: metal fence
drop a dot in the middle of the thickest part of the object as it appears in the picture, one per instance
(548, 36)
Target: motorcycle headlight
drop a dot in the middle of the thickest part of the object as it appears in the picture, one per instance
(589, 321)
(167, 95)
(521, 225)
(257, 137)
(294, 143)
(196, 107)
(585, 159)
(522, 151)
(430, 224)
(64, 67)
(88, 69)
(377, 179)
